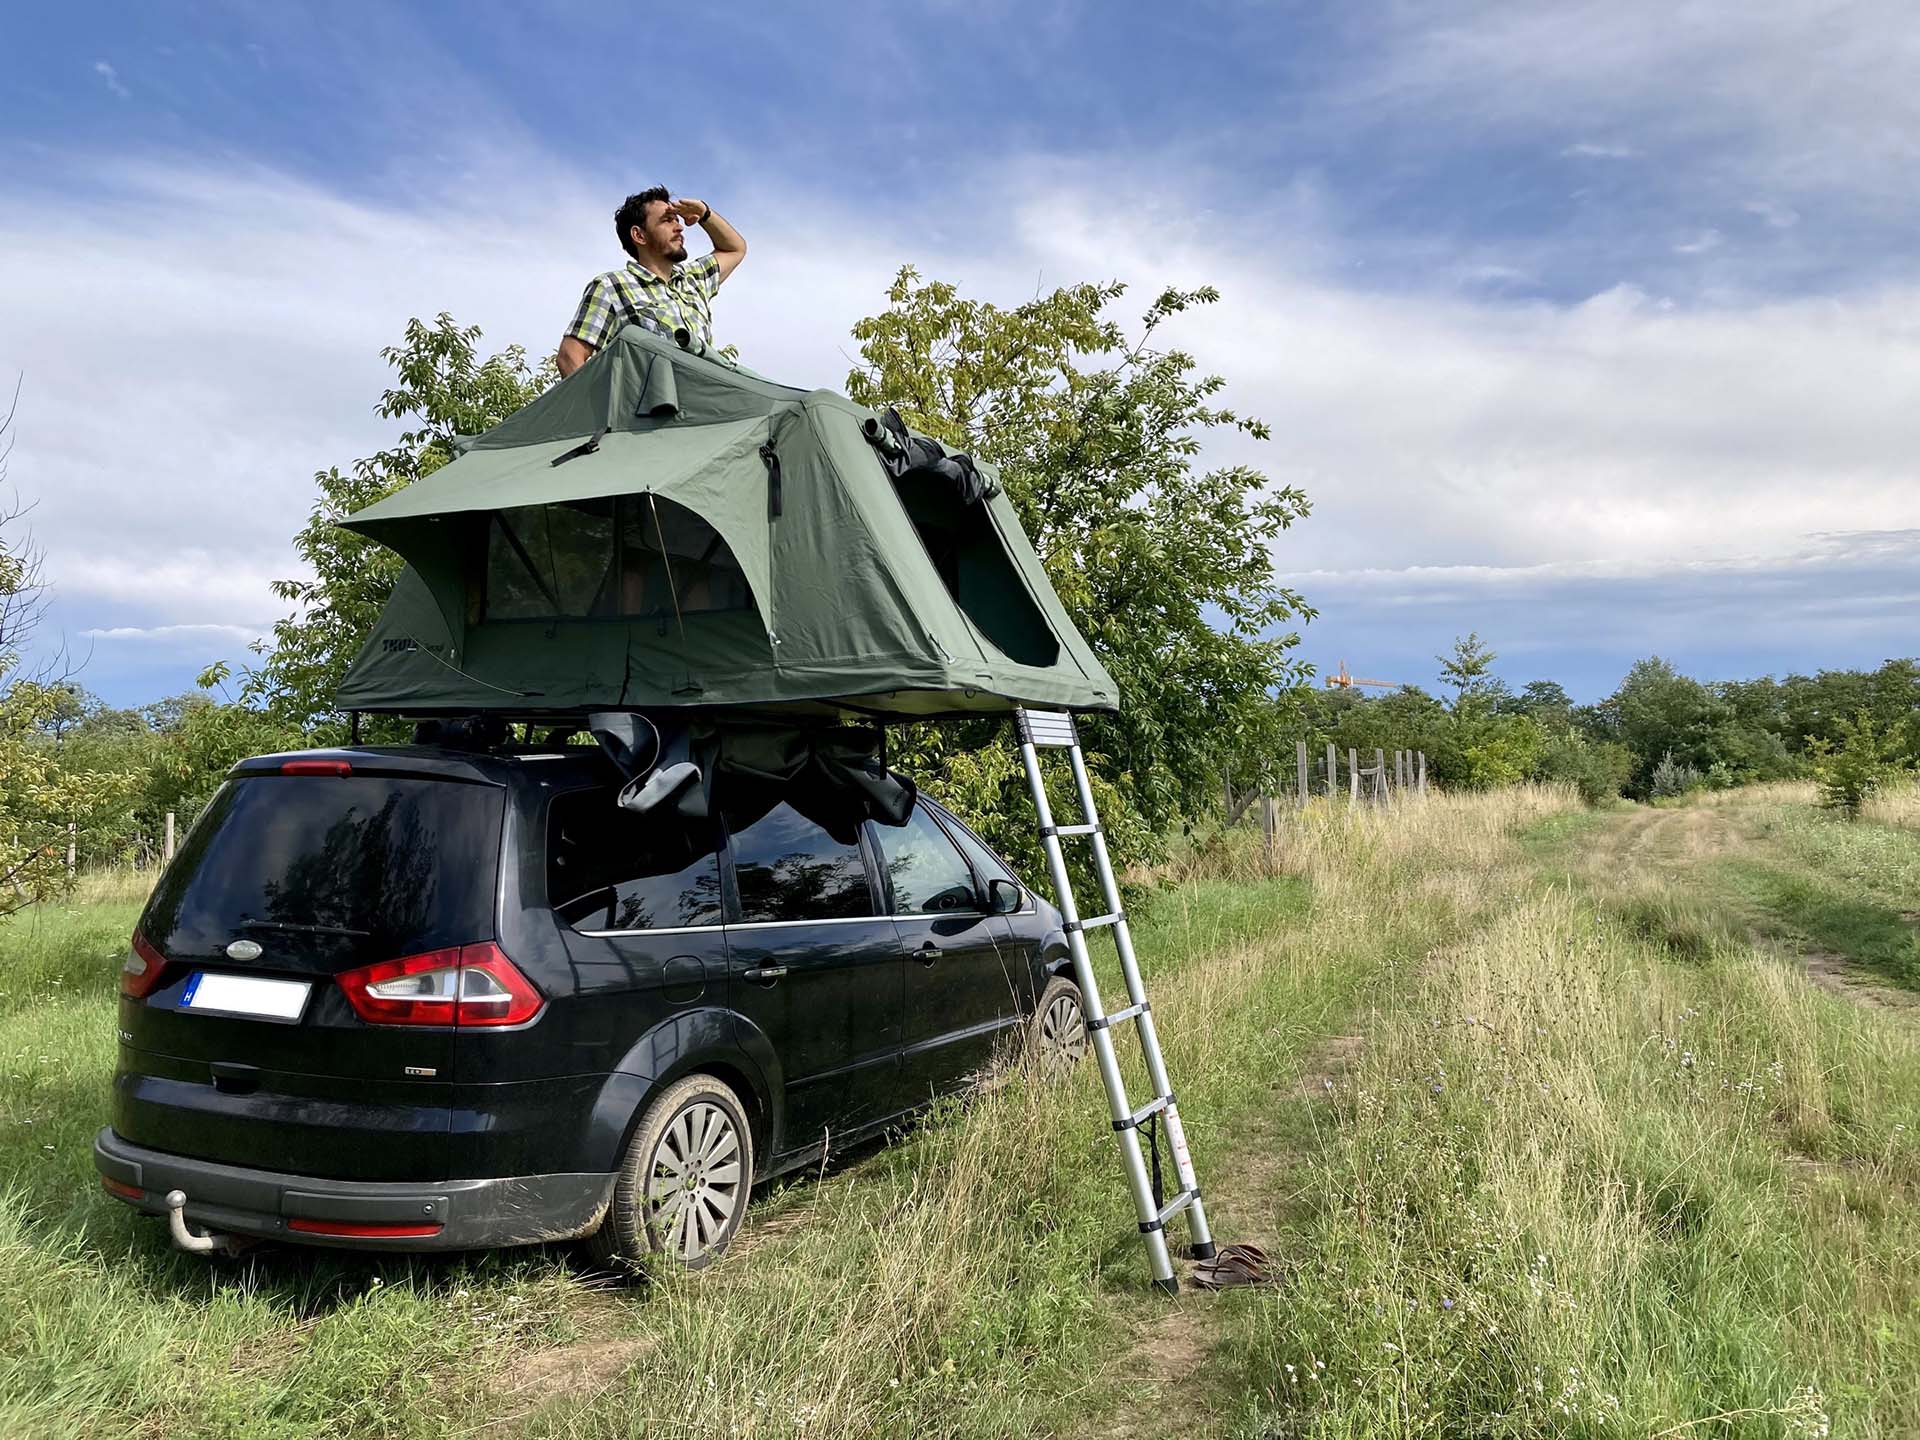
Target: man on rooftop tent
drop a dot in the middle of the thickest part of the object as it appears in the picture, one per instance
(659, 288)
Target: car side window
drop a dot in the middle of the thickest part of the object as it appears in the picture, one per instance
(789, 867)
(610, 869)
(929, 876)
(986, 864)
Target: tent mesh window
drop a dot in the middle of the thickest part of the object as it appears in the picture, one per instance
(628, 555)
(974, 566)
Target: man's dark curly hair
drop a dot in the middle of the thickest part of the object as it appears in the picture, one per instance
(633, 211)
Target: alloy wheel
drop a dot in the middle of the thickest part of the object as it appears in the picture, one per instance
(696, 1185)
(1063, 1034)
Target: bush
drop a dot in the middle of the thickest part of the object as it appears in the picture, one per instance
(1599, 769)
(1671, 779)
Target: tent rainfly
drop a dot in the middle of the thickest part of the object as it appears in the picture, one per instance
(663, 531)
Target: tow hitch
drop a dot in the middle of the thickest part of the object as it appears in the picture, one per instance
(213, 1242)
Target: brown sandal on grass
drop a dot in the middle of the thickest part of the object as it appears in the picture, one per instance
(1233, 1266)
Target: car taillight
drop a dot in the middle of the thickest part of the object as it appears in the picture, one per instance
(470, 985)
(317, 767)
(122, 1189)
(140, 972)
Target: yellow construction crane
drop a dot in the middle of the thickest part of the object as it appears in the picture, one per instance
(1341, 680)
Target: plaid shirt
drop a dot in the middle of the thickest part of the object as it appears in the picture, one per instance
(637, 296)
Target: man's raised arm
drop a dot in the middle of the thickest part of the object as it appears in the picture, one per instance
(729, 249)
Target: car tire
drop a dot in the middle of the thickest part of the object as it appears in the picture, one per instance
(684, 1179)
(1057, 1035)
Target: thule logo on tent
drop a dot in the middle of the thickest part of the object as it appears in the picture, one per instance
(389, 647)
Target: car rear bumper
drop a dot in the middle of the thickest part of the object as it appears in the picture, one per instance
(470, 1214)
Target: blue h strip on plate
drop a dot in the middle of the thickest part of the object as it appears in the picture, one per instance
(186, 995)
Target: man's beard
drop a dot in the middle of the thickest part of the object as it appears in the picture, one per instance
(679, 255)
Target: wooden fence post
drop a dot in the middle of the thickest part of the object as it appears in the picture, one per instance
(1300, 759)
(1333, 768)
(167, 854)
(1353, 776)
(1269, 823)
(1423, 774)
(72, 832)
(1380, 776)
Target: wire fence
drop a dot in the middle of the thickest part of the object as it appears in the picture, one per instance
(1393, 777)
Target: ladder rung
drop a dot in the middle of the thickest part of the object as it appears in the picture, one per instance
(1095, 922)
(1047, 727)
(1101, 1022)
(1069, 829)
(1172, 1208)
(1151, 1108)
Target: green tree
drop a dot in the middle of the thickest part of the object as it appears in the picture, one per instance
(1598, 769)
(199, 738)
(1850, 771)
(1546, 701)
(1165, 567)
(1468, 672)
(443, 389)
(1657, 712)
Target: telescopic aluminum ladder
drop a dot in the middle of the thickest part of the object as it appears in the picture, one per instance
(1041, 730)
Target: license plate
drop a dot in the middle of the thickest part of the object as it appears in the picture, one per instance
(245, 995)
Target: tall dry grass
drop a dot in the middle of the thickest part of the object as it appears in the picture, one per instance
(1896, 804)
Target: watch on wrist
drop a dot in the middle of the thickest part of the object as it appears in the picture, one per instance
(706, 213)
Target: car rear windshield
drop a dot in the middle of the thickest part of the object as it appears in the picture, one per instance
(331, 867)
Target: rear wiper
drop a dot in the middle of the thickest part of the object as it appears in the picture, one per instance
(304, 929)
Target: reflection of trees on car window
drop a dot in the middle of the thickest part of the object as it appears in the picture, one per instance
(610, 868)
(803, 887)
(928, 875)
(410, 863)
(789, 868)
(371, 870)
(654, 902)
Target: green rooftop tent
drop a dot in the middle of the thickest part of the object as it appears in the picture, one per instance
(661, 530)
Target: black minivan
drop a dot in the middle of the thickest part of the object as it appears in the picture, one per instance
(426, 998)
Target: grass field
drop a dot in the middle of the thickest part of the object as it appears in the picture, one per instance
(1558, 1123)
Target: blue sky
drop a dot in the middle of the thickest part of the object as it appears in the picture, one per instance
(1592, 328)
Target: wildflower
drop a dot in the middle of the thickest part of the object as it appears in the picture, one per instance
(1446, 1304)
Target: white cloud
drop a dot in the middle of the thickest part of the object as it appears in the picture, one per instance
(1809, 95)
(107, 73)
(1589, 150)
(1699, 243)
(1446, 428)
(239, 633)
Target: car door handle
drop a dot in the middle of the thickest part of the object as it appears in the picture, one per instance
(764, 973)
(927, 953)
